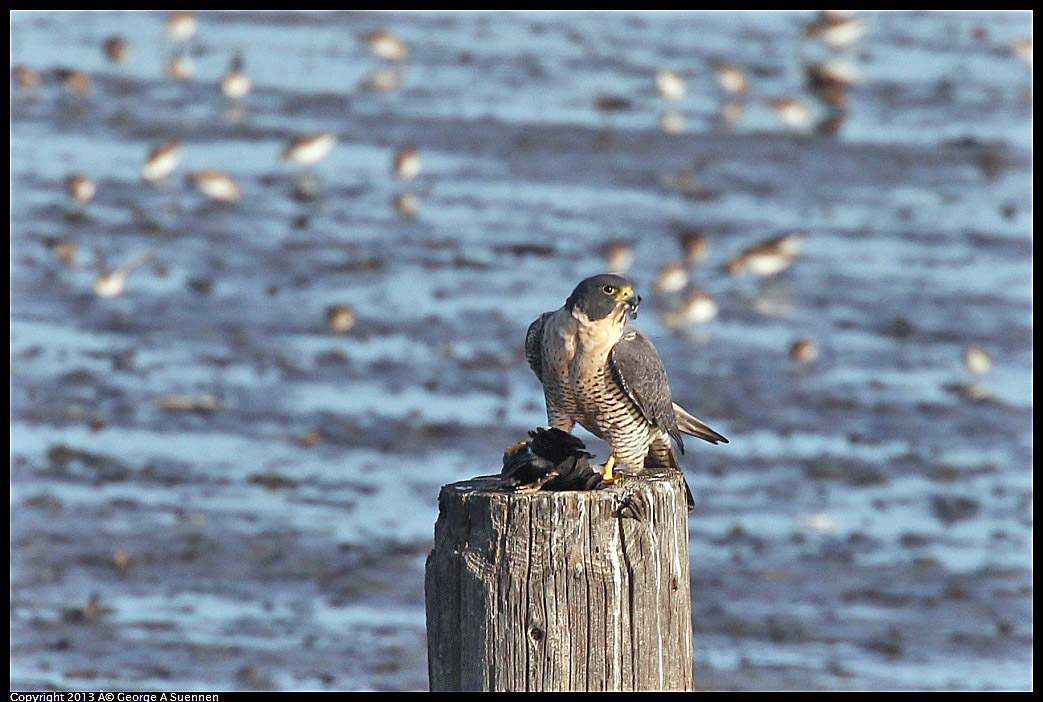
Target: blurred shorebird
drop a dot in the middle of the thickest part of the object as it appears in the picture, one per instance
(767, 258)
(803, 351)
(116, 49)
(64, 250)
(340, 318)
(161, 161)
(671, 277)
(181, 68)
(384, 44)
(25, 77)
(730, 77)
(836, 30)
(182, 25)
(80, 188)
(611, 103)
(671, 122)
(792, 113)
(407, 164)
(831, 81)
(835, 70)
(75, 82)
(697, 307)
(670, 84)
(309, 150)
(407, 204)
(236, 85)
(618, 256)
(216, 185)
(1022, 48)
(694, 246)
(383, 80)
(88, 613)
(977, 360)
(112, 283)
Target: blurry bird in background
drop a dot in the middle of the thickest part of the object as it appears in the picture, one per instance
(25, 77)
(767, 258)
(407, 204)
(979, 363)
(340, 318)
(76, 82)
(1022, 48)
(730, 77)
(831, 82)
(696, 307)
(383, 80)
(64, 250)
(670, 84)
(384, 44)
(236, 85)
(116, 49)
(977, 360)
(310, 149)
(161, 161)
(792, 113)
(694, 246)
(407, 164)
(182, 25)
(672, 122)
(671, 277)
(110, 284)
(216, 185)
(618, 256)
(605, 102)
(838, 29)
(80, 188)
(181, 68)
(803, 351)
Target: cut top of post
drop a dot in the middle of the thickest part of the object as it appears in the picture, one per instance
(569, 590)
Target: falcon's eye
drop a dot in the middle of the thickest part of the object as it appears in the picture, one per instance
(609, 289)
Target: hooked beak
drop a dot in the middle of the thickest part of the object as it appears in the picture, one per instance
(627, 297)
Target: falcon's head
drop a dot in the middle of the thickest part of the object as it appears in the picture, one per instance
(602, 295)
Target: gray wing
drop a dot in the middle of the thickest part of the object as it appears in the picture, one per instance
(534, 345)
(637, 369)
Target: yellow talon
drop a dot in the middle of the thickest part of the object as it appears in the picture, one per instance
(609, 476)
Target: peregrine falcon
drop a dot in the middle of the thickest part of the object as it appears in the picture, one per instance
(599, 371)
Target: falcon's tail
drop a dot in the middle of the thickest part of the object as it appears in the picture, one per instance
(690, 425)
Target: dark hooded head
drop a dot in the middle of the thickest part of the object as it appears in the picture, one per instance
(601, 295)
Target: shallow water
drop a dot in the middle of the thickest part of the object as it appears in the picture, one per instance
(869, 525)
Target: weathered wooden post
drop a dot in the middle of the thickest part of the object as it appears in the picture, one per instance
(560, 591)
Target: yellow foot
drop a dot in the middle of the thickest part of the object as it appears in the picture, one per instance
(511, 450)
(608, 475)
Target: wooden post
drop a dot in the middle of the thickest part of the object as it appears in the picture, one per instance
(560, 591)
